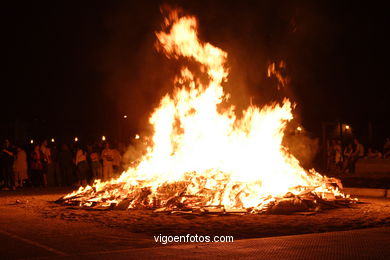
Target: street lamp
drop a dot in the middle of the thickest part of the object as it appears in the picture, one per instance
(76, 139)
(31, 141)
(52, 140)
(103, 138)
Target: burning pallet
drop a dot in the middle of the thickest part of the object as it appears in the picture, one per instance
(173, 198)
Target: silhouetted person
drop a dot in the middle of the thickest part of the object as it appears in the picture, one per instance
(373, 154)
(116, 162)
(7, 156)
(65, 161)
(56, 167)
(357, 154)
(338, 156)
(36, 167)
(96, 166)
(20, 167)
(108, 158)
(81, 166)
(48, 167)
(347, 163)
(335, 157)
(386, 148)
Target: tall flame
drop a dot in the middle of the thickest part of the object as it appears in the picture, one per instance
(201, 146)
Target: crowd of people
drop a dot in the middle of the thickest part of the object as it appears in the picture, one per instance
(74, 164)
(344, 160)
(45, 164)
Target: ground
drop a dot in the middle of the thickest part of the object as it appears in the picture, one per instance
(37, 205)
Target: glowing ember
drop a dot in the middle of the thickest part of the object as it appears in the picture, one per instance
(201, 153)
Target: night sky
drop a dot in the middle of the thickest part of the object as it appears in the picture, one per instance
(76, 67)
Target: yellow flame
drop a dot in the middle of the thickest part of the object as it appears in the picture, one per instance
(198, 138)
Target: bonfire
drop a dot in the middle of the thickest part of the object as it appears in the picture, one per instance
(203, 157)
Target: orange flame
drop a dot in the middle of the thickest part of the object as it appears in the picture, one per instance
(226, 160)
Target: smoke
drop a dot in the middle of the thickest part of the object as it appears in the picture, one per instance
(303, 147)
(136, 150)
(137, 76)
(254, 34)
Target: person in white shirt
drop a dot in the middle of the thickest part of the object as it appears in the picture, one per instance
(81, 166)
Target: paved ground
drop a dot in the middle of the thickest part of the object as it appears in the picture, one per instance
(356, 244)
(25, 235)
(26, 231)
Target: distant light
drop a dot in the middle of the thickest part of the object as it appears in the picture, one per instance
(347, 127)
(52, 140)
(76, 139)
(103, 138)
(299, 128)
(31, 141)
(125, 116)
(136, 136)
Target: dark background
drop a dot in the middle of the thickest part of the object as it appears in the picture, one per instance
(74, 68)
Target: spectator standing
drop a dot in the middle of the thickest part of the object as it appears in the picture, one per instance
(331, 155)
(20, 167)
(335, 157)
(372, 153)
(338, 157)
(386, 149)
(7, 156)
(56, 168)
(81, 166)
(48, 174)
(65, 161)
(347, 158)
(96, 166)
(357, 154)
(108, 158)
(89, 161)
(36, 167)
(116, 162)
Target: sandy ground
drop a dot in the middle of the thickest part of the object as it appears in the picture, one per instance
(38, 205)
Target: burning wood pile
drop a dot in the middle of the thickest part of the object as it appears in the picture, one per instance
(203, 158)
(176, 198)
